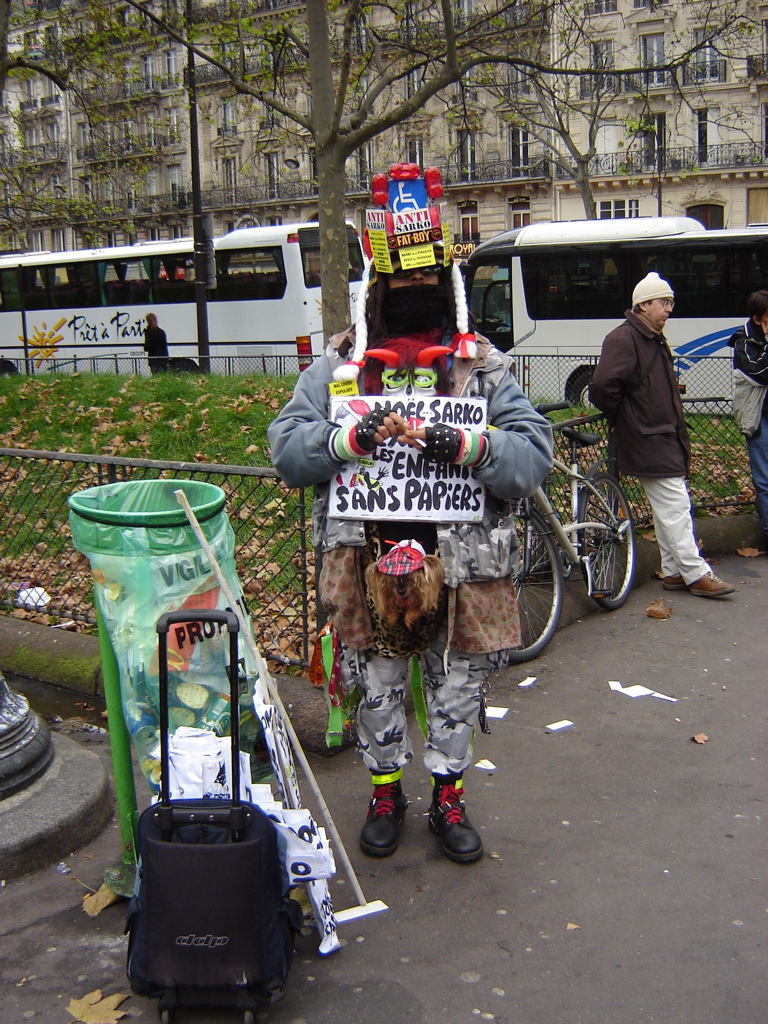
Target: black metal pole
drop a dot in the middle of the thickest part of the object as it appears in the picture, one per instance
(198, 232)
(659, 170)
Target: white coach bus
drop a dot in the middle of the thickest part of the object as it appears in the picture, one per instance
(557, 289)
(59, 307)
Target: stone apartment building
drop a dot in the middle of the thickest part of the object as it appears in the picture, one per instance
(699, 144)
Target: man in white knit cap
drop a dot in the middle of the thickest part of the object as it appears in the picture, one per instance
(635, 386)
(412, 342)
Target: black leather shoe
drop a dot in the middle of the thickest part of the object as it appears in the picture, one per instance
(386, 812)
(448, 819)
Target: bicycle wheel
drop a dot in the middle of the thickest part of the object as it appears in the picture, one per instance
(611, 549)
(539, 586)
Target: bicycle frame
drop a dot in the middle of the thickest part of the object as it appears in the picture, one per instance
(563, 531)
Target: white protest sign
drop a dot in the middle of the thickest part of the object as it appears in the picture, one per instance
(397, 482)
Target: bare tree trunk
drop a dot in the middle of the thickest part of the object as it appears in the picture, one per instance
(330, 153)
(584, 186)
(5, 18)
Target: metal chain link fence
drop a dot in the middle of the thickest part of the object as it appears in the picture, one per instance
(274, 551)
(273, 548)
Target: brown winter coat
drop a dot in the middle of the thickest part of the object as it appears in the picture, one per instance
(647, 420)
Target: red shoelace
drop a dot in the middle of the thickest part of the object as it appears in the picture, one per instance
(383, 799)
(451, 797)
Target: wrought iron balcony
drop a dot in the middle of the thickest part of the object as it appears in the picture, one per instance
(27, 105)
(700, 71)
(675, 159)
(598, 85)
(602, 7)
(757, 65)
(457, 172)
(223, 10)
(43, 152)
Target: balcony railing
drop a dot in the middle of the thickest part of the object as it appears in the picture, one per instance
(675, 159)
(455, 172)
(109, 149)
(50, 101)
(598, 85)
(221, 11)
(757, 65)
(602, 7)
(699, 72)
(26, 105)
(43, 152)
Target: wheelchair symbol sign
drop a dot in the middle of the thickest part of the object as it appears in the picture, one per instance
(407, 195)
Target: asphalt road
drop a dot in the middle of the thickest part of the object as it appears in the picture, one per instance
(623, 880)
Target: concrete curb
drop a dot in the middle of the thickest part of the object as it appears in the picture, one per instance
(64, 809)
(73, 660)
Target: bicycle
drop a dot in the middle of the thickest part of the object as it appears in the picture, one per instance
(599, 538)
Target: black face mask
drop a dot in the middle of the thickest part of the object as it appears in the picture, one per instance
(415, 309)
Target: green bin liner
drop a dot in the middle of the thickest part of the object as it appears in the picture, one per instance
(145, 560)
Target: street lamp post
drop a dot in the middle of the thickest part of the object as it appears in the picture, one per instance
(198, 228)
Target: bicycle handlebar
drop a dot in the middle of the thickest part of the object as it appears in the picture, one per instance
(545, 407)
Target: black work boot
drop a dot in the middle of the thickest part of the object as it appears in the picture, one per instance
(448, 820)
(385, 816)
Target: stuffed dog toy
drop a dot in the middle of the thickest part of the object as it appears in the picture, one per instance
(405, 584)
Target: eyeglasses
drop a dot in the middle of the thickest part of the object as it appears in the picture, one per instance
(667, 304)
(432, 271)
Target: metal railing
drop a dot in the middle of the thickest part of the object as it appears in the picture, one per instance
(273, 549)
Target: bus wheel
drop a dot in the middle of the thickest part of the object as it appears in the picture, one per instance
(577, 385)
(7, 368)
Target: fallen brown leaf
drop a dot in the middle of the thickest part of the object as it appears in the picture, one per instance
(92, 1009)
(749, 552)
(570, 927)
(94, 902)
(649, 536)
(658, 610)
(700, 737)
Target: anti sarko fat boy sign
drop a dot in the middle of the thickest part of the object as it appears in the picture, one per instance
(397, 482)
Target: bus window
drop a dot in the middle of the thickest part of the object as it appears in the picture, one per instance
(309, 243)
(72, 286)
(35, 287)
(243, 274)
(491, 304)
(126, 283)
(173, 278)
(9, 290)
(573, 285)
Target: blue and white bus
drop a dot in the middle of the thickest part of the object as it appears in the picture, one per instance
(89, 307)
(557, 289)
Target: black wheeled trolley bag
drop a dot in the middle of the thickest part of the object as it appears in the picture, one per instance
(209, 925)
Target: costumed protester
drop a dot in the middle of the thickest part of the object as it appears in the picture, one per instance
(750, 400)
(406, 583)
(634, 384)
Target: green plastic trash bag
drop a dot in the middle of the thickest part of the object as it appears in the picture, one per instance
(146, 560)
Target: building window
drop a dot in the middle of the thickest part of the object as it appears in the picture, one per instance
(37, 238)
(710, 215)
(652, 52)
(519, 213)
(273, 173)
(654, 143)
(618, 209)
(57, 239)
(702, 135)
(174, 180)
(170, 64)
(414, 150)
(470, 228)
(173, 124)
(364, 158)
(519, 147)
(274, 221)
(146, 71)
(177, 231)
(466, 154)
(229, 173)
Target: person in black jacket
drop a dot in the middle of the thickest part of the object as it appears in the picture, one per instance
(635, 386)
(750, 356)
(155, 345)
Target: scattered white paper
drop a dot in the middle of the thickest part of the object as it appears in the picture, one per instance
(32, 597)
(486, 765)
(639, 691)
(494, 712)
(636, 691)
(528, 681)
(557, 726)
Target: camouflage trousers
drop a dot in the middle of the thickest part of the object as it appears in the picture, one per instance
(452, 694)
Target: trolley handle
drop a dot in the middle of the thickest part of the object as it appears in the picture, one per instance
(230, 620)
